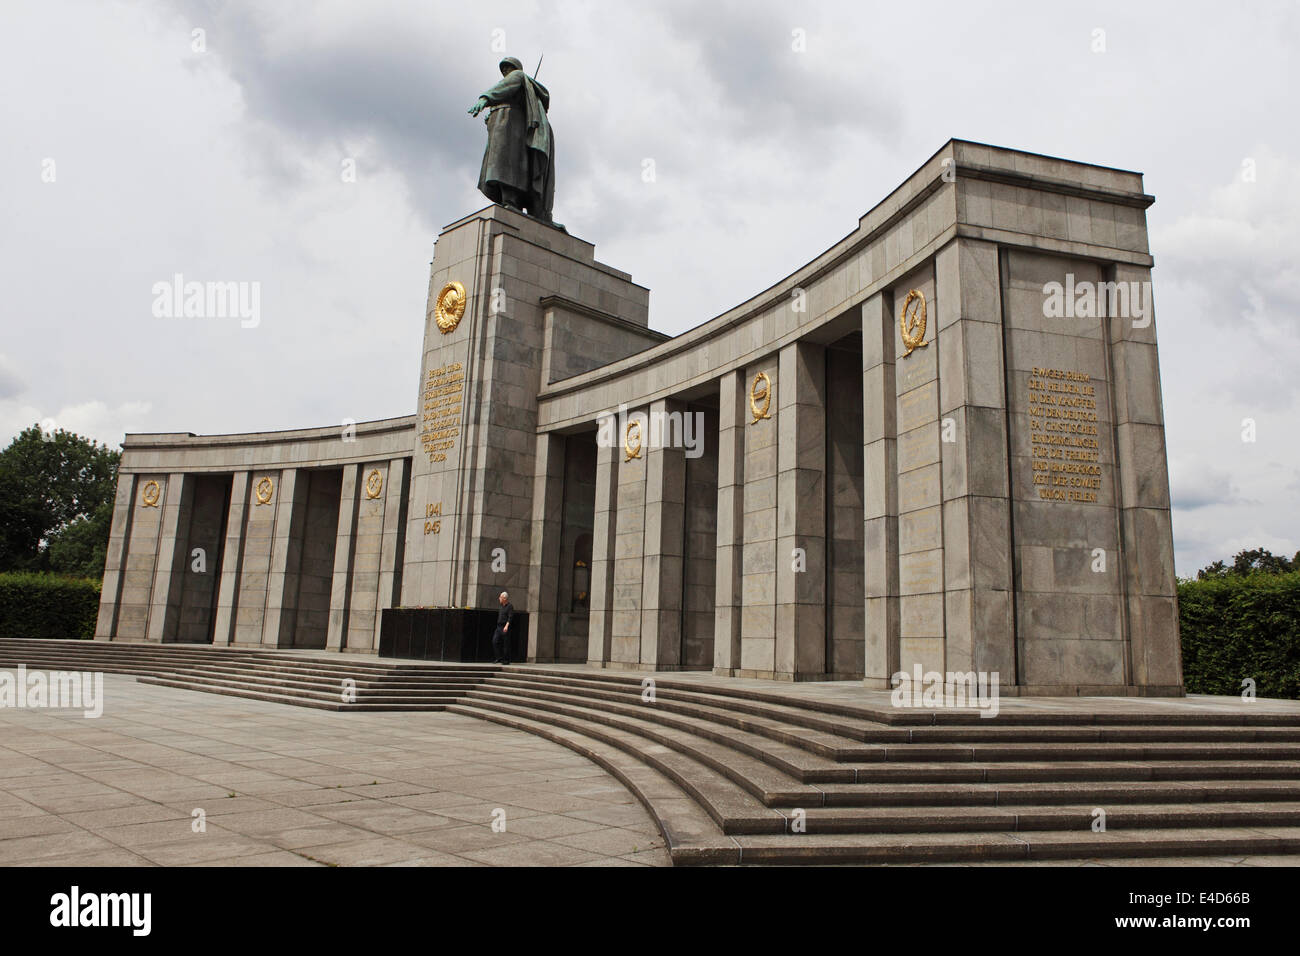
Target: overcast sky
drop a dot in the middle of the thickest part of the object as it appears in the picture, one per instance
(226, 163)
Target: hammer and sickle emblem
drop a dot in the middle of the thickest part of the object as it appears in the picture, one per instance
(263, 491)
(374, 484)
(149, 496)
(632, 439)
(450, 306)
(911, 321)
(760, 397)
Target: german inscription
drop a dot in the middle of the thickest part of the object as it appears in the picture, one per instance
(1066, 455)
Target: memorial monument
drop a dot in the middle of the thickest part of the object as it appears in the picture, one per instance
(939, 443)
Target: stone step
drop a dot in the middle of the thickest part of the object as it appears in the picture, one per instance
(765, 783)
(795, 764)
(842, 749)
(1015, 819)
(346, 666)
(846, 842)
(1092, 793)
(332, 688)
(343, 668)
(1075, 770)
(825, 849)
(334, 685)
(299, 698)
(1128, 734)
(855, 729)
(681, 820)
(890, 716)
(305, 674)
(805, 768)
(820, 740)
(204, 652)
(292, 692)
(249, 693)
(719, 796)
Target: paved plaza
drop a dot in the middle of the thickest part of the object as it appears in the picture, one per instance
(290, 786)
(293, 786)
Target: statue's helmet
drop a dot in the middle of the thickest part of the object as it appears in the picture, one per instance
(509, 64)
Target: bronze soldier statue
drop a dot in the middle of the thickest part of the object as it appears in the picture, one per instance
(519, 162)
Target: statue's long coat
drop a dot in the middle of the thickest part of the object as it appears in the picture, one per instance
(520, 149)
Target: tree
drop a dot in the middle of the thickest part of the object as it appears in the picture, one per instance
(56, 502)
(1252, 561)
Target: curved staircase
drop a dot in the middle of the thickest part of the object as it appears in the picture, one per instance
(736, 774)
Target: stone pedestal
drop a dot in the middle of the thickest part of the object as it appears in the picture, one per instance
(536, 302)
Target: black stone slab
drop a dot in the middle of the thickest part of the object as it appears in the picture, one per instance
(447, 634)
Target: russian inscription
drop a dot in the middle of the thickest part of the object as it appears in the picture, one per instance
(443, 390)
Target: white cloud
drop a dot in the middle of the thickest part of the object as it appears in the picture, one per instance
(92, 419)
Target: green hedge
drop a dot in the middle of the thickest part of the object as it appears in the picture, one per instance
(47, 605)
(1238, 627)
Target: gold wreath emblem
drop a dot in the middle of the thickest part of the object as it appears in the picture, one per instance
(757, 396)
(911, 321)
(449, 307)
(149, 496)
(264, 489)
(374, 484)
(633, 450)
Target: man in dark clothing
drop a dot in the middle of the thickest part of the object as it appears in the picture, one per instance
(501, 636)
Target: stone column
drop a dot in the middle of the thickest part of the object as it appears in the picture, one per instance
(286, 556)
(759, 554)
(547, 531)
(164, 597)
(920, 527)
(801, 513)
(604, 527)
(665, 528)
(977, 573)
(232, 559)
(1150, 586)
(880, 491)
(344, 553)
(367, 556)
(731, 523)
(115, 559)
(629, 545)
(396, 506)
